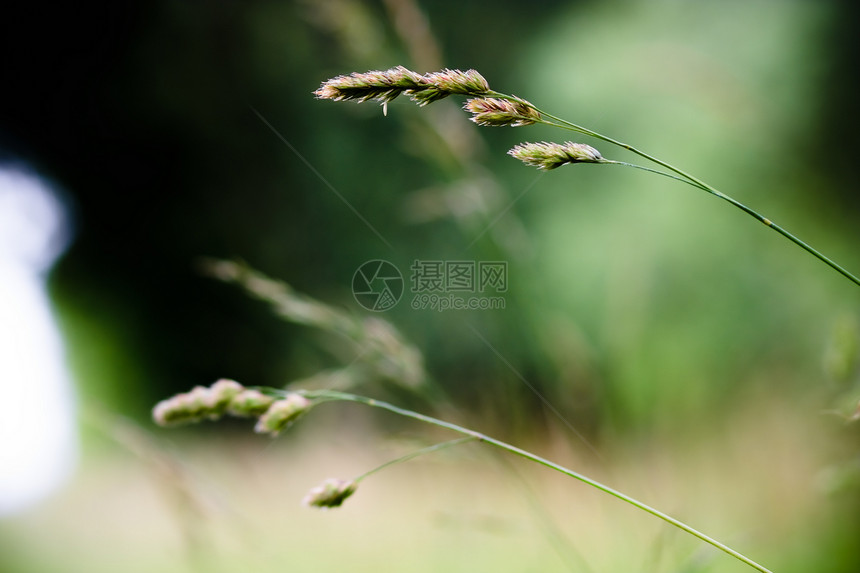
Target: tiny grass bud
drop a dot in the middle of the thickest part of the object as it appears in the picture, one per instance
(184, 408)
(383, 86)
(330, 493)
(169, 412)
(469, 82)
(546, 155)
(497, 112)
(220, 394)
(198, 404)
(249, 403)
(448, 82)
(282, 413)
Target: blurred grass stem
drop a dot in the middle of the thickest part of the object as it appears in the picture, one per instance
(329, 395)
(415, 454)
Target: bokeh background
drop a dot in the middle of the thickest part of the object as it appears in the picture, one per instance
(652, 335)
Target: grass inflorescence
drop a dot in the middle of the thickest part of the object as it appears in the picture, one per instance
(388, 355)
(491, 108)
(288, 406)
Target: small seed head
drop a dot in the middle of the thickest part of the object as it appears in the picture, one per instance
(282, 413)
(497, 112)
(382, 86)
(184, 408)
(172, 412)
(220, 394)
(448, 82)
(469, 82)
(249, 403)
(385, 86)
(198, 404)
(546, 155)
(330, 493)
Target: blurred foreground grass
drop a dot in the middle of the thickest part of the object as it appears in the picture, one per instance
(757, 481)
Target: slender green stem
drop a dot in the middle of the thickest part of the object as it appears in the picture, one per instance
(705, 187)
(330, 395)
(415, 454)
(649, 170)
(552, 120)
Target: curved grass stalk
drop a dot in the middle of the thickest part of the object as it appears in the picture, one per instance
(415, 454)
(650, 170)
(331, 395)
(549, 119)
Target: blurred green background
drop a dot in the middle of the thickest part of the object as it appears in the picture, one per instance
(706, 364)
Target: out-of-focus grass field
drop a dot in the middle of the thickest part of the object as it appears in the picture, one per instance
(755, 481)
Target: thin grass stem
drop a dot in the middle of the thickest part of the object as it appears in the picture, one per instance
(415, 454)
(549, 119)
(649, 170)
(329, 395)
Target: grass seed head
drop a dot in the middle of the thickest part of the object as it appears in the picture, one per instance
(220, 394)
(496, 112)
(198, 404)
(385, 86)
(469, 82)
(330, 493)
(449, 82)
(546, 155)
(282, 413)
(249, 403)
(382, 86)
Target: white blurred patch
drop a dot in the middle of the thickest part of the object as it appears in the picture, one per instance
(38, 441)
